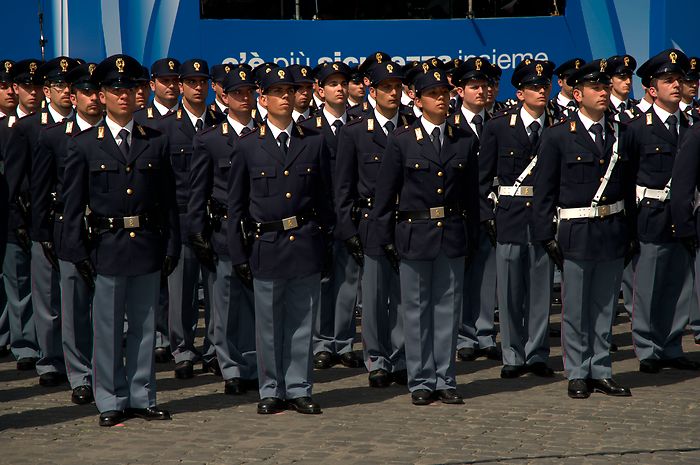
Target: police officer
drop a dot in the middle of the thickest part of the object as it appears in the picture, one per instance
(233, 312)
(432, 167)
(564, 103)
(365, 69)
(621, 69)
(663, 277)
(689, 88)
(455, 99)
(20, 156)
(477, 335)
(259, 111)
(582, 173)
(166, 93)
(508, 150)
(121, 171)
(410, 71)
(181, 127)
(356, 88)
(218, 74)
(303, 77)
(47, 225)
(143, 90)
(27, 85)
(361, 148)
(280, 176)
(335, 327)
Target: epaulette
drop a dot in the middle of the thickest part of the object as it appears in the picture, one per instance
(354, 121)
(501, 114)
(84, 131)
(254, 131)
(53, 125)
(559, 123)
(402, 129)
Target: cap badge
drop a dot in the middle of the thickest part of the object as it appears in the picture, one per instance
(673, 56)
(32, 67)
(335, 66)
(693, 62)
(539, 69)
(280, 73)
(196, 65)
(91, 68)
(434, 61)
(477, 63)
(603, 65)
(527, 61)
(626, 60)
(425, 67)
(378, 56)
(171, 65)
(64, 65)
(242, 74)
(120, 64)
(390, 68)
(227, 68)
(8, 66)
(267, 70)
(437, 76)
(304, 72)
(577, 63)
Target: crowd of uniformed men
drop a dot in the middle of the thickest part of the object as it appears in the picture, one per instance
(300, 194)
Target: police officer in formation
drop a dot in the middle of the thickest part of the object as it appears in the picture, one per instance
(287, 211)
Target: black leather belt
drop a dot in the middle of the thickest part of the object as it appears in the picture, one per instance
(285, 224)
(127, 222)
(434, 213)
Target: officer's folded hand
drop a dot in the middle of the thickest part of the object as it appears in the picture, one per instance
(50, 254)
(169, 264)
(23, 238)
(554, 252)
(632, 250)
(86, 271)
(354, 246)
(490, 226)
(243, 272)
(690, 244)
(393, 256)
(202, 249)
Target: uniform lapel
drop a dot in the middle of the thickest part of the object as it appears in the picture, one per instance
(449, 145)
(378, 136)
(297, 143)
(269, 144)
(659, 128)
(109, 145)
(583, 137)
(139, 143)
(609, 134)
(426, 147)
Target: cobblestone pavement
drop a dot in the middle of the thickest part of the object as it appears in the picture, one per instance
(526, 420)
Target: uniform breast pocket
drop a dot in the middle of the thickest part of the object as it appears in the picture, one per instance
(580, 167)
(371, 163)
(415, 167)
(181, 158)
(307, 172)
(506, 160)
(103, 175)
(149, 168)
(658, 157)
(224, 164)
(262, 180)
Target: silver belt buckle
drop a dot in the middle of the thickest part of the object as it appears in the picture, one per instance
(131, 222)
(604, 210)
(437, 213)
(290, 223)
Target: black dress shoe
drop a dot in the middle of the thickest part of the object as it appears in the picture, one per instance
(578, 389)
(148, 414)
(609, 387)
(540, 369)
(421, 397)
(305, 405)
(26, 363)
(82, 395)
(650, 365)
(111, 417)
(379, 378)
(554, 332)
(234, 386)
(211, 366)
(52, 378)
(351, 360)
(513, 371)
(270, 405)
(184, 369)
(449, 396)
(491, 353)
(251, 384)
(4, 351)
(163, 354)
(323, 360)
(466, 354)
(400, 377)
(681, 363)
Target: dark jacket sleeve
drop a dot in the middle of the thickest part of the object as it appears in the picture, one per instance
(628, 154)
(391, 175)
(172, 229)
(16, 161)
(325, 195)
(238, 199)
(685, 179)
(41, 182)
(201, 185)
(346, 178)
(488, 162)
(75, 193)
(472, 193)
(547, 180)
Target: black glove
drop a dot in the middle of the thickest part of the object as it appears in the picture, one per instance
(87, 272)
(23, 238)
(354, 246)
(169, 264)
(393, 256)
(203, 251)
(554, 252)
(632, 250)
(490, 226)
(50, 254)
(244, 274)
(690, 244)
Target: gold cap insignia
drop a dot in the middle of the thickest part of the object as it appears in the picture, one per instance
(425, 67)
(477, 63)
(335, 66)
(64, 65)
(32, 67)
(437, 76)
(242, 74)
(539, 68)
(267, 70)
(390, 67)
(378, 56)
(527, 61)
(626, 60)
(280, 73)
(171, 65)
(603, 65)
(304, 72)
(8, 66)
(693, 62)
(91, 68)
(434, 61)
(227, 68)
(120, 64)
(673, 56)
(577, 63)
(196, 65)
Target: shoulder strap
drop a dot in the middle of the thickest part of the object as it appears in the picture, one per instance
(611, 166)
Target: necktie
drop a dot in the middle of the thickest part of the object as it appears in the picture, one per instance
(672, 122)
(597, 129)
(337, 124)
(389, 126)
(534, 133)
(478, 122)
(282, 139)
(245, 130)
(300, 118)
(198, 125)
(435, 137)
(124, 146)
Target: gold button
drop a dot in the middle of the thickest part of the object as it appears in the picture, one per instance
(511, 152)
(262, 173)
(417, 165)
(658, 149)
(60, 217)
(601, 179)
(308, 170)
(409, 220)
(128, 169)
(129, 191)
(257, 236)
(439, 191)
(603, 198)
(578, 158)
(103, 167)
(292, 238)
(460, 165)
(286, 173)
(376, 158)
(602, 162)
(182, 150)
(439, 224)
(366, 215)
(440, 174)
(648, 202)
(150, 165)
(527, 204)
(132, 234)
(288, 195)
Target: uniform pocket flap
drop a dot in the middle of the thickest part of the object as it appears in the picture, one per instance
(259, 172)
(104, 165)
